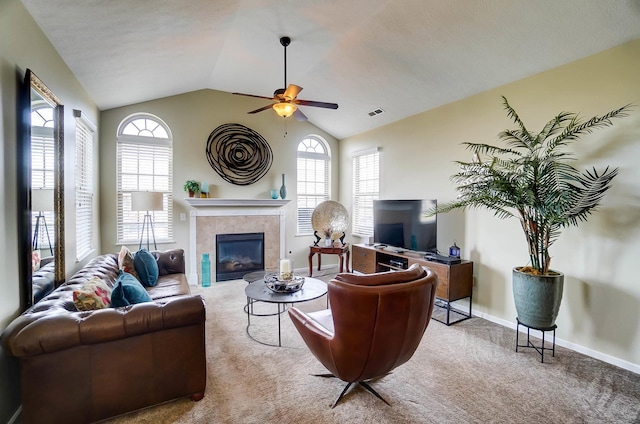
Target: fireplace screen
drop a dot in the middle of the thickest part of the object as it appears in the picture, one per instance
(238, 254)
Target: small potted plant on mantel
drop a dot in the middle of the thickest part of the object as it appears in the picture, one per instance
(531, 178)
(192, 187)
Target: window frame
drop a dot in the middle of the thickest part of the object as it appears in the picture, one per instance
(157, 148)
(84, 179)
(304, 158)
(43, 174)
(362, 200)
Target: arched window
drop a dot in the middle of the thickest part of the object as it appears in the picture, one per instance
(313, 170)
(145, 163)
(42, 178)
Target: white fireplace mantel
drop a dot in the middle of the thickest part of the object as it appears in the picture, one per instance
(199, 202)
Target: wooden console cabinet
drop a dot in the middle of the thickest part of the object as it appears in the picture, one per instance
(455, 282)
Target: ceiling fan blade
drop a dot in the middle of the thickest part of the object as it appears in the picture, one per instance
(253, 95)
(316, 104)
(261, 109)
(292, 92)
(299, 115)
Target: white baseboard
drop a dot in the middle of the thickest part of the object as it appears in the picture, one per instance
(629, 366)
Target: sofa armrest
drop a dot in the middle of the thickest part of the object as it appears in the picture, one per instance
(170, 261)
(36, 334)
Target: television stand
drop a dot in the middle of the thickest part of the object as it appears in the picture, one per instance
(455, 281)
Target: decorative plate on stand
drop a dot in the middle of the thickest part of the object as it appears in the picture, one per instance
(276, 285)
(330, 219)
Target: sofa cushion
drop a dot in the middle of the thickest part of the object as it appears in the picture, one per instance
(128, 291)
(43, 281)
(92, 295)
(146, 267)
(125, 261)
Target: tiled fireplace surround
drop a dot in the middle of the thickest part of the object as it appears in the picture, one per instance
(207, 220)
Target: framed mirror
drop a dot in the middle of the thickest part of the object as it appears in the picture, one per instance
(41, 190)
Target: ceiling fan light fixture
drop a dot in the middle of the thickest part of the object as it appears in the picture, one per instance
(284, 109)
(286, 99)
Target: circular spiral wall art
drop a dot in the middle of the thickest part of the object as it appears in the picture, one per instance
(238, 154)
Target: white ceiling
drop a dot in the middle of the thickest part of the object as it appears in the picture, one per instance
(404, 56)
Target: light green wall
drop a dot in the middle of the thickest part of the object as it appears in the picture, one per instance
(22, 46)
(602, 298)
(192, 117)
(601, 307)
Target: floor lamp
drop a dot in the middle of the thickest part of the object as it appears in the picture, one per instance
(147, 201)
(41, 201)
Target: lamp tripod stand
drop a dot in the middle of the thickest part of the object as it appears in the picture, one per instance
(36, 232)
(41, 201)
(147, 201)
(146, 223)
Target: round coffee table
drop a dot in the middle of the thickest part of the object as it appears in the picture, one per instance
(253, 276)
(258, 291)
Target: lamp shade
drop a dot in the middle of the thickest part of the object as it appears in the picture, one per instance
(42, 200)
(284, 109)
(146, 201)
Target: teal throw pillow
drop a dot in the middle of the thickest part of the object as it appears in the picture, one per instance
(128, 291)
(146, 267)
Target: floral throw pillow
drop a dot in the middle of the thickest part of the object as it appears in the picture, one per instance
(125, 261)
(94, 294)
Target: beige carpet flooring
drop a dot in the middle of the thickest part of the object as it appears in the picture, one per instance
(465, 373)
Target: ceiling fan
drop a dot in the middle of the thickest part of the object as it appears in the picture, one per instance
(286, 101)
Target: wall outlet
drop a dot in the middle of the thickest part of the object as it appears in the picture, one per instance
(183, 217)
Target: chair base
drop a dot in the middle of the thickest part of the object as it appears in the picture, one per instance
(344, 391)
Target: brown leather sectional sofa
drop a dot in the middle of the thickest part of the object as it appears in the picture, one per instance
(81, 367)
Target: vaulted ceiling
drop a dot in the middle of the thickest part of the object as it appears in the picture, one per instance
(403, 56)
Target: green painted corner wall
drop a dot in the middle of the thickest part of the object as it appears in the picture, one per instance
(602, 298)
(600, 310)
(23, 46)
(192, 117)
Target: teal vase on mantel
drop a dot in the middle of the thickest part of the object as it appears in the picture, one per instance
(283, 189)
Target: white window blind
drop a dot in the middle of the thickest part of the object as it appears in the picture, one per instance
(366, 188)
(313, 170)
(42, 177)
(145, 163)
(84, 185)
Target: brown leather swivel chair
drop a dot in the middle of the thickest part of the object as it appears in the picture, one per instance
(374, 325)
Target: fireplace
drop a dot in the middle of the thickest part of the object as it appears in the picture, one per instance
(238, 254)
(224, 216)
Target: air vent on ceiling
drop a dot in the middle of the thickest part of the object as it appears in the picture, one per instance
(376, 111)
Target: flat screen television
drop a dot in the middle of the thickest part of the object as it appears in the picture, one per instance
(403, 224)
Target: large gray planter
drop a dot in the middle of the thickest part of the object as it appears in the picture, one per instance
(537, 298)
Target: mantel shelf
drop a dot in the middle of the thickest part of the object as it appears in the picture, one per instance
(199, 202)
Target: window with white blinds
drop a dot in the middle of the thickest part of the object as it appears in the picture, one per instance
(313, 170)
(42, 180)
(85, 131)
(366, 188)
(144, 163)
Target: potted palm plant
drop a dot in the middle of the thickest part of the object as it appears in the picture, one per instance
(531, 177)
(191, 187)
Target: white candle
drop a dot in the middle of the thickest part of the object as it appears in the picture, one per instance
(285, 266)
